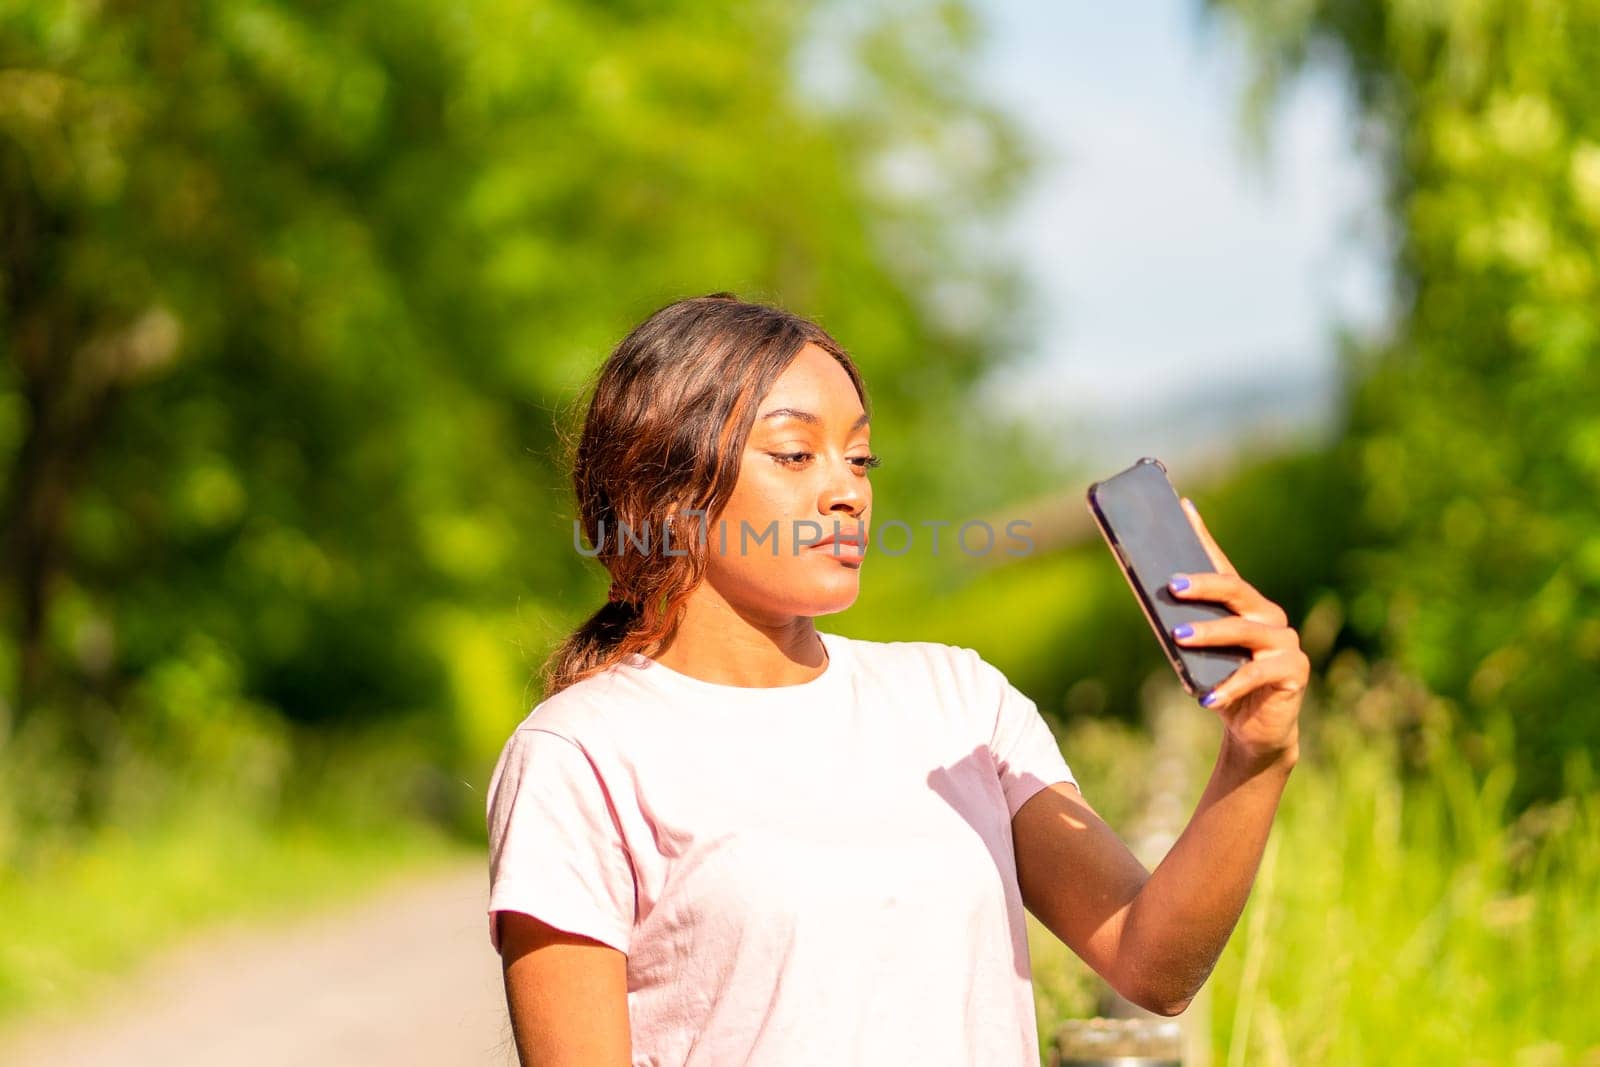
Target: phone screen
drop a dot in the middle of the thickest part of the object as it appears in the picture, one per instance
(1139, 515)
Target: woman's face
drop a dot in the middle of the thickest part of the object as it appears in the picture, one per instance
(794, 532)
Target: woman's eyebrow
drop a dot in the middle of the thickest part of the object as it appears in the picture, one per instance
(808, 417)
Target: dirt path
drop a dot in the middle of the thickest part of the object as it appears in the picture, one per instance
(406, 978)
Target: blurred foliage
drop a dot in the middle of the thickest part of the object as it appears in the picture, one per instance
(1063, 626)
(1474, 441)
(131, 890)
(299, 301)
(1406, 912)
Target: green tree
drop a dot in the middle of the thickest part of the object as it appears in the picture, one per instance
(1475, 438)
(296, 296)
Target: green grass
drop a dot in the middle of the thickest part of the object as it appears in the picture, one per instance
(78, 917)
(1416, 922)
(246, 826)
(1403, 914)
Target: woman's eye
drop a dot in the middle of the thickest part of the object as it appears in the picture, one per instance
(862, 464)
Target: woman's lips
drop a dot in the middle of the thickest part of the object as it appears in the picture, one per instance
(844, 546)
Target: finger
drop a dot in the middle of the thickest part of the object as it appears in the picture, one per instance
(1236, 631)
(1219, 559)
(1287, 674)
(1230, 590)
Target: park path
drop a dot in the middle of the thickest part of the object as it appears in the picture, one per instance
(404, 978)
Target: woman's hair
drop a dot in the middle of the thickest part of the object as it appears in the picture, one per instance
(665, 430)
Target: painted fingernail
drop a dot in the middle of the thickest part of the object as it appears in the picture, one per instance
(1182, 631)
(1209, 699)
(1179, 583)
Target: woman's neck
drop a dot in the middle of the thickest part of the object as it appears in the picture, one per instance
(718, 643)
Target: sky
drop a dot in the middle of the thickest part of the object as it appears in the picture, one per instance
(1186, 292)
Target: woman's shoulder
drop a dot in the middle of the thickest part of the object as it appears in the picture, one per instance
(902, 649)
(578, 711)
(939, 661)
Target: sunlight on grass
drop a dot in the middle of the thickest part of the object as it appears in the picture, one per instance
(1403, 914)
(1416, 922)
(80, 918)
(182, 849)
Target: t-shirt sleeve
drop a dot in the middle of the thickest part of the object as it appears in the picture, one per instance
(556, 851)
(1025, 751)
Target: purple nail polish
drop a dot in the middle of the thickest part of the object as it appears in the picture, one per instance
(1182, 631)
(1209, 699)
(1179, 583)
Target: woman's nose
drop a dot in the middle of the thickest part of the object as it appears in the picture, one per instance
(846, 490)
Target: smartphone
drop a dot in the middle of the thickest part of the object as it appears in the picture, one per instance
(1139, 515)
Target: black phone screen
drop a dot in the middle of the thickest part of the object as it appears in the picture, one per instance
(1138, 513)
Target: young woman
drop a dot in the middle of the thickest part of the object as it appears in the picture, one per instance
(727, 837)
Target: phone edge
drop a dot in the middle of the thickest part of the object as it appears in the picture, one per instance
(1168, 646)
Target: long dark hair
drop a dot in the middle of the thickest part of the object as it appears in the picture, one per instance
(665, 430)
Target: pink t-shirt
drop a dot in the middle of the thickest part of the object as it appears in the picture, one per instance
(804, 874)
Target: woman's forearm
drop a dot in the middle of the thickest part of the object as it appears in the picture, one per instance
(1179, 922)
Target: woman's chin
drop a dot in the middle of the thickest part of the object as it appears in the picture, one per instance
(809, 593)
(837, 594)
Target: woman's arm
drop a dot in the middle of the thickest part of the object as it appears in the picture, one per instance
(1156, 936)
(1153, 937)
(568, 995)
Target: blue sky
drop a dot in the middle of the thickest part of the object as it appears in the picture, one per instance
(1173, 272)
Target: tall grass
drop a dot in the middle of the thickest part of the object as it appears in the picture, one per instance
(1409, 917)
(1403, 913)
